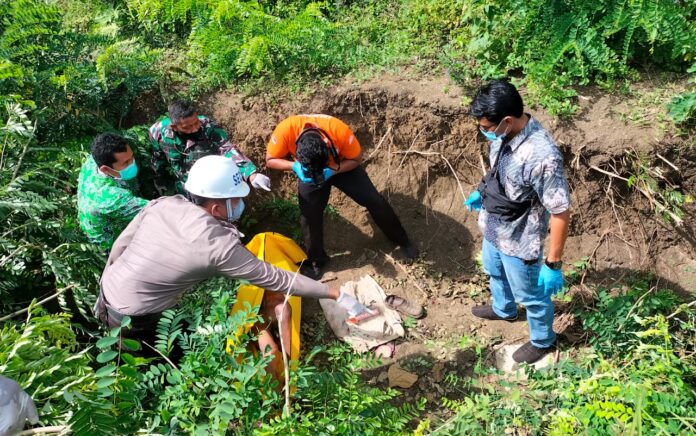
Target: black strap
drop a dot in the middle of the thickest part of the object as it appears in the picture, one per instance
(493, 196)
(327, 140)
(113, 317)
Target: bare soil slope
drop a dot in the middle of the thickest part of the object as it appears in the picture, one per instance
(422, 152)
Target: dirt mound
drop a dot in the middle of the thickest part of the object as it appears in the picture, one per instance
(412, 131)
(422, 152)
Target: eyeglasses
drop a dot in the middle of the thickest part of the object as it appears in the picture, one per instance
(488, 130)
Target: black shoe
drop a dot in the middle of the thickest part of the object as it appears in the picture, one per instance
(314, 269)
(410, 250)
(528, 353)
(486, 312)
(311, 269)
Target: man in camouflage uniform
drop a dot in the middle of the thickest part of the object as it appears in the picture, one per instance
(524, 195)
(107, 190)
(179, 140)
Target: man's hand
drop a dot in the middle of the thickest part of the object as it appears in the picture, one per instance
(328, 172)
(260, 181)
(474, 201)
(551, 280)
(299, 171)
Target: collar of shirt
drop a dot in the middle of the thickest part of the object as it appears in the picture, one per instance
(531, 126)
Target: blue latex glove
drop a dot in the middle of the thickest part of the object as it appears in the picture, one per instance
(474, 201)
(328, 172)
(299, 170)
(551, 280)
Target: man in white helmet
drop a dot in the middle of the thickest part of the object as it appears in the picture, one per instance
(174, 244)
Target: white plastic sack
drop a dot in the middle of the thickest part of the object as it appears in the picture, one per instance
(371, 333)
(16, 407)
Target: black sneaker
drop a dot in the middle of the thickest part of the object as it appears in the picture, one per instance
(486, 312)
(410, 250)
(528, 353)
(312, 269)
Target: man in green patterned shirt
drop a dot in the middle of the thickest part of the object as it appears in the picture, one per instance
(107, 190)
(179, 140)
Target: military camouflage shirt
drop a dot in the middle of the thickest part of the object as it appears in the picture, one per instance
(105, 205)
(174, 154)
(530, 168)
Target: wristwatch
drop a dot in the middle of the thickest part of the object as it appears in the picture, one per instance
(554, 265)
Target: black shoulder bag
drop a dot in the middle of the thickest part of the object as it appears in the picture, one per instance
(493, 195)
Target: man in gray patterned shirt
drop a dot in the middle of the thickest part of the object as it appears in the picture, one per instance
(523, 196)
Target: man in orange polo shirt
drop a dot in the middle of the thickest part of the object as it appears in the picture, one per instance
(323, 152)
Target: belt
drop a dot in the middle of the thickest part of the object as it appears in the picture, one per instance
(114, 317)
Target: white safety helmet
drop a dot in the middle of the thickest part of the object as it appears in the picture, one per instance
(216, 177)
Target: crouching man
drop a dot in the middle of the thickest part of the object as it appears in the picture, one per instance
(175, 244)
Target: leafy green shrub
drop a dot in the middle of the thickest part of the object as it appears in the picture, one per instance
(556, 44)
(618, 316)
(42, 355)
(209, 388)
(636, 378)
(682, 108)
(334, 400)
(44, 245)
(73, 72)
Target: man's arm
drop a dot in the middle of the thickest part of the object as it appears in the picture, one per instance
(158, 159)
(552, 188)
(559, 232)
(239, 263)
(277, 163)
(231, 150)
(348, 165)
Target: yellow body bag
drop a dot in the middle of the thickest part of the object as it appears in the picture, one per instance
(281, 252)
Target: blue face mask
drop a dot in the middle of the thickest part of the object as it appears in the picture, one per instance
(234, 213)
(492, 136)
(129, 172)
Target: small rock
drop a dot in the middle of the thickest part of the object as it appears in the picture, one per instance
(382, 377)
(400, 378)
(505, 362)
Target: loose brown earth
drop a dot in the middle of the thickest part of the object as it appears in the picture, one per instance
(395, 119)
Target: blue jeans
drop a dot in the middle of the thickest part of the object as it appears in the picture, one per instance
(512, 282)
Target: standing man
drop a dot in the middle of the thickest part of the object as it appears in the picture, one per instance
(175, 244)
(523, 196)
(323, 152)
(107, 190)
(179, 140)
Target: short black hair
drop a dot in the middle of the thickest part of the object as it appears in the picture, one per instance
(313, 154)
(105, 145)
(496, 100)
(180, 109)
(201, 201)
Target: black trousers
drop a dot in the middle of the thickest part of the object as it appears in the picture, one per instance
(143, 328)
(357, 185)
